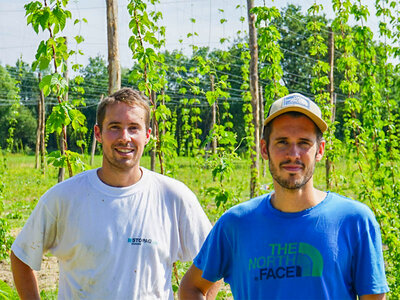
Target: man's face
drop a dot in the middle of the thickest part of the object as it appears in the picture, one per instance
(293, 151)
(123, 136)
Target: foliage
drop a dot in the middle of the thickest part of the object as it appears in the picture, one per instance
(23, 132)
(9, 90)
(94, 85)
(6, 292)
(28, 84)
(369, 128)
(54, 50)
(295, 46)
(319, 87)
(5, 238)
(270, 57)
(270, 53)
(150, 73)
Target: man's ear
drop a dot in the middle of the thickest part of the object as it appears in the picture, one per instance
(264, 150)
(320, 151)
(148, 135)
(97, 133)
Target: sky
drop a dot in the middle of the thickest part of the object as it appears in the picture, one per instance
(17, 39)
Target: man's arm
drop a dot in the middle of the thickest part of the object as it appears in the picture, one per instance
(193, 286)
(373, 297)
(24, 279)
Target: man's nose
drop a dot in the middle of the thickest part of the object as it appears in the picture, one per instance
(293, 151)
(125, 135)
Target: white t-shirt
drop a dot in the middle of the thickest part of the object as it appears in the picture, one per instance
(114, 243)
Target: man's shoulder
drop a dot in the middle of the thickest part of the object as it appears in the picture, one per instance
(247, 208)
(348, 207)
(72, 183)
(347, 202)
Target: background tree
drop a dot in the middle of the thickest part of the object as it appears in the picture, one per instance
(28, 84)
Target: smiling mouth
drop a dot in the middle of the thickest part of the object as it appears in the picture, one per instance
(124, 151)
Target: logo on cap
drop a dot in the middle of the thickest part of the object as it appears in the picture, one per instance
(297, 100)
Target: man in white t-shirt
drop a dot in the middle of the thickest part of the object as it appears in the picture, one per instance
(118, 229)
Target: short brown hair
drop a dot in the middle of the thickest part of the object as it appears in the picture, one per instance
(125, 95)
(268, 128)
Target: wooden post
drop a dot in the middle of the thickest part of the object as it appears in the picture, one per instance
(254, 97)
(38, 129)
(93, 149)
(262, 117)
(153, 151)
(42, 134)
(114, 69)
(63, 135)
(163, 121)
(328, 163)
(213, 118)
(40, 138)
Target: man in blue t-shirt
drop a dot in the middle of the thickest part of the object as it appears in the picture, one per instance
(296, 242)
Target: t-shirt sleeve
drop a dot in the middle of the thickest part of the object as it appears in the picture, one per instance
(194, 227)
(369, 268)
(37, 235)
(215, 256)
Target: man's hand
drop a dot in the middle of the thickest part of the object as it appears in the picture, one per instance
(373, 297)
(24, 279)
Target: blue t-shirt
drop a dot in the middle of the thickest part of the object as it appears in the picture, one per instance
(330, 251)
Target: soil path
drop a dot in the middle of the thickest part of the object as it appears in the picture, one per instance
(47, 277)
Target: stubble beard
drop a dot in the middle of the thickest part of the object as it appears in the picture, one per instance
(291, 183)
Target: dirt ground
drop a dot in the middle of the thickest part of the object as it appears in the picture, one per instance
(47, 277)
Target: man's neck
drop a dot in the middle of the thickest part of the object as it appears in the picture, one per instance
(288, 200)
(119, 178)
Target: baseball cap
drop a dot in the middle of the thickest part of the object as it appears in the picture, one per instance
(296, 102)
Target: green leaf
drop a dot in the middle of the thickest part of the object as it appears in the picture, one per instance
(6, 291)
(56, 159)
(78, 119)
(44, 63)
(79, 39)
(60, 18)
(58, 118)
(43, 18)
(44, 85)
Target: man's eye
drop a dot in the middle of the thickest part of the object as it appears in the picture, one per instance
(304, 143)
